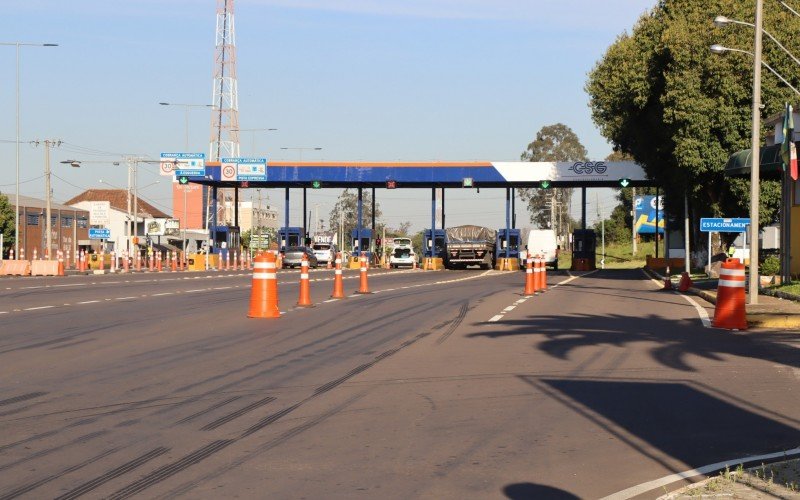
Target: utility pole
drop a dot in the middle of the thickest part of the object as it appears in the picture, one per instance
(633, 219)
(48, 143)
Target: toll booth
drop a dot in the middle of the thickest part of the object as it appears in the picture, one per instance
(225, 234)
(438, 245)
(514, 238)
(584, 243)
(290, 237)
(361, 243)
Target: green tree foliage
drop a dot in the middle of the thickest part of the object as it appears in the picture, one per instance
(6, 224)
(347, 205)
(680, 111)
(553, 143)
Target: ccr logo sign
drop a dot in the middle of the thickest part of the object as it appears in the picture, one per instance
(589, 167)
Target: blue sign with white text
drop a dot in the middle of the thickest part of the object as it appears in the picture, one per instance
(738, 225)
(186, 164)
(99, 233)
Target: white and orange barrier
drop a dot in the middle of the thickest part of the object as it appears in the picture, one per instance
(44, 268)
(729, 311)
(15, 268)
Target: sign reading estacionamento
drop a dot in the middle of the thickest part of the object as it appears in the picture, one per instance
(720, 225)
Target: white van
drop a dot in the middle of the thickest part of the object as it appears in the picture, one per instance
(541, 243)
(402, 253)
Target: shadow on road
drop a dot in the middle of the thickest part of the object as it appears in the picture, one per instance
(674, 341)
(530, 491)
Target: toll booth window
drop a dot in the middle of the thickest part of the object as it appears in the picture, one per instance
(364, 242)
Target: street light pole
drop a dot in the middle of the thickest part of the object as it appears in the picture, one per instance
(16, 199)
(756, 156)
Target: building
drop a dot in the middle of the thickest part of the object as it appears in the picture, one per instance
(69, 227)
(251, 216)
(118, 217)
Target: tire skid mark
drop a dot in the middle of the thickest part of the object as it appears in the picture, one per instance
(455, 323)
(293, 432)
(170, 470)
(238, 413)
(43, 453)
(21, 490)
(113, 474)
(207, 410)
(22, 397)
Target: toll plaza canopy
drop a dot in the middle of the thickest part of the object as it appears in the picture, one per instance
(336, 174)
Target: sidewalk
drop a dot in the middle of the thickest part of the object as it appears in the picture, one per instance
(770, 312)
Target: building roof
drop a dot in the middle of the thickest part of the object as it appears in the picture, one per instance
(28, 202)
(118, 199)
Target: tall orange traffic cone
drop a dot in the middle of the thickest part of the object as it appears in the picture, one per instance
(125, 262)
(338, 286)
(543, 277)
(530, 288)
(264, 293)
(685, 283)
(730, 312)
(60, 264)
(159, 264)
(364, 286)
(305, 289)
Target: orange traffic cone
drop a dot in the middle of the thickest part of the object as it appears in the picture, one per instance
(530, 288)
(685, 283)
(305, 289)
(730, 312)
(264, 293)
(543, 279)
(364, 286)
(159, 263)
(125, 264)
(60, 264)
(338, 286)
(667, 284)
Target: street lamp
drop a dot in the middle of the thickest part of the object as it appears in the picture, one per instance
(719, 49)
(755, 139)
(16, 200)
(253, 135)
(300, 150)
(186, 106)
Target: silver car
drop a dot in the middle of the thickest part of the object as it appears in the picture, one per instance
(293, 256)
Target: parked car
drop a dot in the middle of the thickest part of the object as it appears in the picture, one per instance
(293, 256)
(325, 252)
(402, 254)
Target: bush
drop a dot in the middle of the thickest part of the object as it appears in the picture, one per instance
(771, 266)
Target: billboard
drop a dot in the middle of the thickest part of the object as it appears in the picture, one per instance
(644, 218)
(99, 213)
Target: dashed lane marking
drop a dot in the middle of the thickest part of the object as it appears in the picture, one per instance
(510, 308)
(37, 308)
(88, 302)
(497, 317)
(700, 309)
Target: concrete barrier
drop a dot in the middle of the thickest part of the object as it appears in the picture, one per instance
(15, 268)
(44, 268)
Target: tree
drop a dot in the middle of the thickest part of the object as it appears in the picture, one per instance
(347, 206)
(659, 95)
(6, 223)
(549, 207)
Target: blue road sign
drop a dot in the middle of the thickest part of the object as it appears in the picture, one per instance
(99, 233)
(186, 164)
(709, 225)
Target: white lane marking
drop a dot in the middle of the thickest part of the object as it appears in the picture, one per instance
(88, 302)
(197, 290)
(126, 298)
(161, 294)
(37, 308)
(700, 310)
(706, 469)
(3, 312)
(495, 318)
(222, 287)
(509, 309)
(329, 300)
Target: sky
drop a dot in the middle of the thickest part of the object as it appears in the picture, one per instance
(364, 80)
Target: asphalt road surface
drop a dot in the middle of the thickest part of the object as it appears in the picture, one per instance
(437, 385)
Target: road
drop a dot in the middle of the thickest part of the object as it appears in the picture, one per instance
(437, 385)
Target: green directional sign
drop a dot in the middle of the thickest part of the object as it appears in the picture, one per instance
(467, 182)
(183, 180)
(316, 184)
(544, 184)
(624, 182)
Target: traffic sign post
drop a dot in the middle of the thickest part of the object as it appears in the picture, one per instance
(724, 225)
(96, 233)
